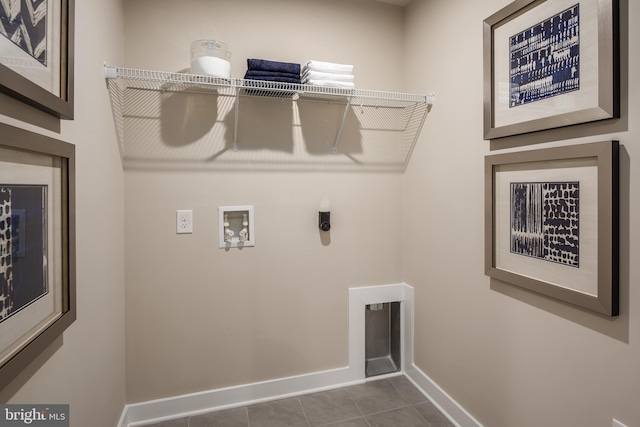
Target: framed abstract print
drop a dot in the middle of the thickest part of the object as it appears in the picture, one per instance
(37, 246)
(549, 64)
(551, 222)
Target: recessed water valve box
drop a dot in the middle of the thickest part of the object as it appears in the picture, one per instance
(235, 229)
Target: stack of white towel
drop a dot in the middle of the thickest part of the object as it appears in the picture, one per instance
(328, 74)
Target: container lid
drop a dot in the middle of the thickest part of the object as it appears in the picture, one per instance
(210, 48)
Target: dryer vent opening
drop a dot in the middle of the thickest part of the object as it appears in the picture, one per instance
(382, 338)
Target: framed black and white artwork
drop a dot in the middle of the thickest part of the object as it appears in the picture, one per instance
(37, 246)
(552, 222)
(549, 64)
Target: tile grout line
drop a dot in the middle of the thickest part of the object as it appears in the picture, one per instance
(411, 405)
(356, 403)
(408, 404)
(306, 419)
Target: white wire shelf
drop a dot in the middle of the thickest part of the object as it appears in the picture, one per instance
(170, 81)
(127, 88)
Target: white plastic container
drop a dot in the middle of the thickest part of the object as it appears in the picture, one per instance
(210, 58)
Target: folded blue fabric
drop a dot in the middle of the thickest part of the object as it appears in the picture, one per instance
(275, 79)
(258, 74)
(266, 65)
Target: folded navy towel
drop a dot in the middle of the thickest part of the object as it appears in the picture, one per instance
(275, 79)
(266, 65)
(258, 74)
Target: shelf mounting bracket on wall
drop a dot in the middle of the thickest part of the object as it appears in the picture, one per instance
(235, 124)
(344, 118)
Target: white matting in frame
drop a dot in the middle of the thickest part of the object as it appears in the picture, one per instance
(581, 277)
(19, 168)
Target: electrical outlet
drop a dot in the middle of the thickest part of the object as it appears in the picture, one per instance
(184, 221)
(617, 423)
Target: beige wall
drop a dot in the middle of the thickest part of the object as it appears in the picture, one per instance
(510, 357)
(86, 368)
(200, 317)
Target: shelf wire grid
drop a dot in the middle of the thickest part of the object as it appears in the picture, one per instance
(172, 81)
(389, 122)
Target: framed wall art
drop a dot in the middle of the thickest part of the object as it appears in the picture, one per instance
(551, 222)
(37, 246)
(549, 64)
(36, 53)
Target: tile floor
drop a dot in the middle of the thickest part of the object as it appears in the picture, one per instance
(391, 402)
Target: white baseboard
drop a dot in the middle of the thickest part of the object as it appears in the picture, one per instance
(445, 403)
(138, 414)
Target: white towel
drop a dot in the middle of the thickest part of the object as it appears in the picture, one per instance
(319, 75)
(329, 67)
(330, 83)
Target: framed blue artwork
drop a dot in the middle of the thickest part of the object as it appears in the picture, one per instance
(37, 53)
(37, 246)
(549, 64)
(551, 222)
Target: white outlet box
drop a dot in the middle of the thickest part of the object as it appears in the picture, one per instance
(184, 221)
(617, 423)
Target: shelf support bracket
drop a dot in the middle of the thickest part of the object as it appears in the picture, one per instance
(110, 72)
(235, 124)
(344, 118)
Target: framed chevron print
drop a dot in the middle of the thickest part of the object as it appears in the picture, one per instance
(36, 53)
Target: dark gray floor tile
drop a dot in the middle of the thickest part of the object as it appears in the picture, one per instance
(405, 417)
(356, 422)
(381, 403)
(329, 407)
(281, 413)
(228, 418)
(181, 422)
(376, 396)
(408, 390)
(433, 416)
